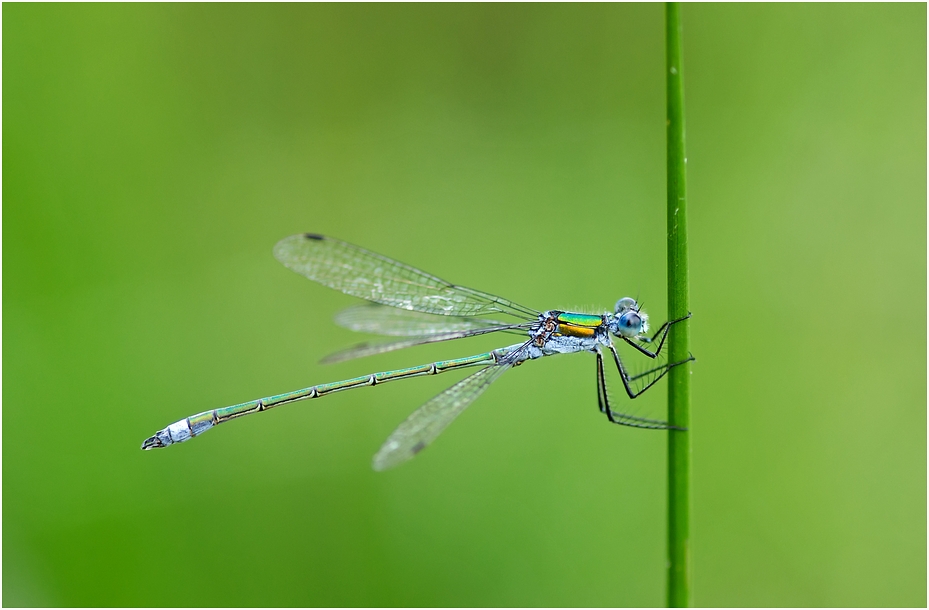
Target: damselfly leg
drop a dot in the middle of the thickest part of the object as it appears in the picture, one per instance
(625, 419)
(634, 385)
(663, 331)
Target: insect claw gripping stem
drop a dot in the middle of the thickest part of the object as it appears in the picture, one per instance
(662, 330)
(622, 419)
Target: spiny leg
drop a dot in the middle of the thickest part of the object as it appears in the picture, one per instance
(624, 419)
(602, 399)
(663, 331)
(664, 368)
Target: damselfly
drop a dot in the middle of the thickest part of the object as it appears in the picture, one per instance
(409, 303)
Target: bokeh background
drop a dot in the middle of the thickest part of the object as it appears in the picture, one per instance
(153, 155)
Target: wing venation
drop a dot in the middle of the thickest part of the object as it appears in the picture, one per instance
(373, 277)
(428, 421)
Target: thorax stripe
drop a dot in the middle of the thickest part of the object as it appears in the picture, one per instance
(576, 331)
(580, 319)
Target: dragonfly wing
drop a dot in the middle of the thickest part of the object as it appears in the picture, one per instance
(364, 274)
(381, 320)
(428, 421)
(370, 349)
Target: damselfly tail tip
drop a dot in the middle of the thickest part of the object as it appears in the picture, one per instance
(152, 442)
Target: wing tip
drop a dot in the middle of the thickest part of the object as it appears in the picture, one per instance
(286, 249)
(382, 462)
(389, 456)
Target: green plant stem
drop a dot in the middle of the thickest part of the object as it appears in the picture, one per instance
(679, 568)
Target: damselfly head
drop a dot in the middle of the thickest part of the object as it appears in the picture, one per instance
(628, 321)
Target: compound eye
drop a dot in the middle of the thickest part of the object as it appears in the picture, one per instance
(631, 322)
(625, 304)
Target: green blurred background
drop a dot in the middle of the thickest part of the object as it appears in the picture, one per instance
(153, 155)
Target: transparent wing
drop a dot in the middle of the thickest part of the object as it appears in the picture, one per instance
(370, 349)
(380, 320)
(364, 274)
(428, 421)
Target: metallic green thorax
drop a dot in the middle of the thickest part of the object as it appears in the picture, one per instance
(580, 319)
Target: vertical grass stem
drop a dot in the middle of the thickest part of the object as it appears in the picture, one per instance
(679, 568)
